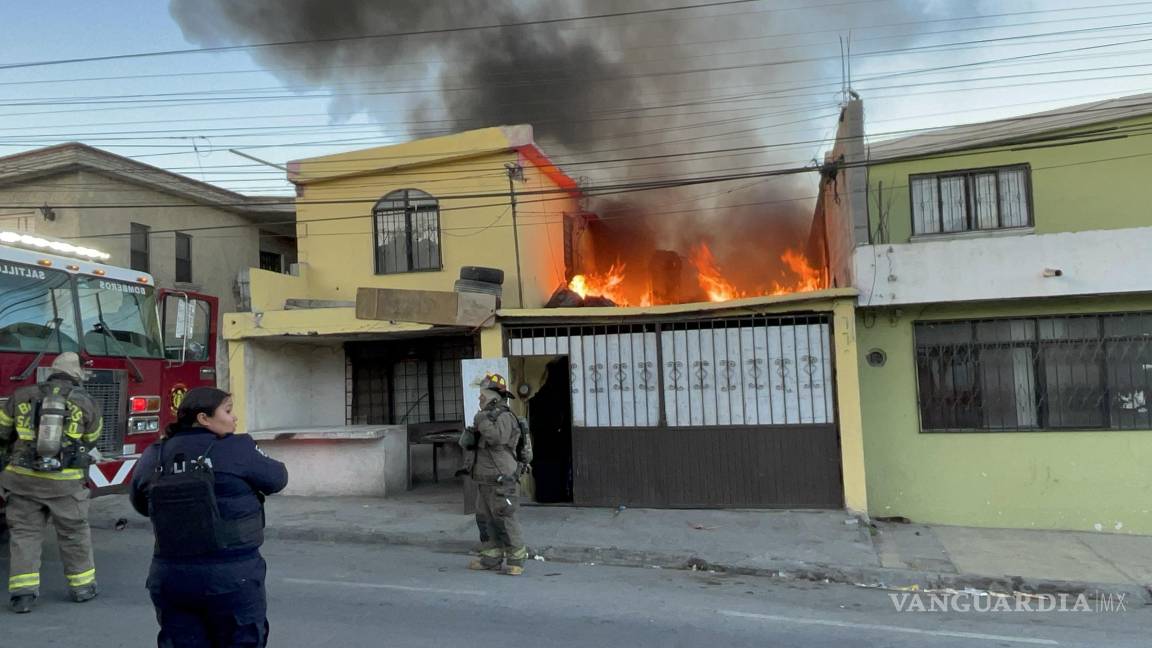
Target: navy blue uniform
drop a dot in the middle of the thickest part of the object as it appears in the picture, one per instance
(215, 599)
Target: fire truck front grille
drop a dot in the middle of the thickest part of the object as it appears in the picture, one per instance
(108, 388)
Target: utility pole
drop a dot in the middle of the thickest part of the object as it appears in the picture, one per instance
(516, 172)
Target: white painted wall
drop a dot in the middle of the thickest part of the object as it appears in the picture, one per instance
(989, 267)
(293, 385)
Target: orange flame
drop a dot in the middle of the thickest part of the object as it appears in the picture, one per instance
(613, 283)
(607, 285)
(809, 278)
(711, 279)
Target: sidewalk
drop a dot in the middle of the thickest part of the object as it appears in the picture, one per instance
(808, 545)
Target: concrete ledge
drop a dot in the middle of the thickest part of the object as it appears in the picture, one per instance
(351, 432)
(364, 461)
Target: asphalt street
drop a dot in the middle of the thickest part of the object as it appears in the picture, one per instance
(324, 594)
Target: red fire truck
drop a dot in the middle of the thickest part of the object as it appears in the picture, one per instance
(144, 347)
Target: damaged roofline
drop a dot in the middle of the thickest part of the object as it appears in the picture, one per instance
(817, 300)
(499, 139)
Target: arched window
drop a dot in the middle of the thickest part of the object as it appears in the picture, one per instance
(406, 228)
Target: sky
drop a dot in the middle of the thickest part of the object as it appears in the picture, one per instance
(948, 67)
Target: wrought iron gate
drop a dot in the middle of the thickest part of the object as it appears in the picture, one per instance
(699, 413)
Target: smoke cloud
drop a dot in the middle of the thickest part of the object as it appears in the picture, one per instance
(609, 89)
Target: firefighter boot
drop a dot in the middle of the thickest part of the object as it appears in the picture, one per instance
(86, 593)
(514, 559)
(22, 604)
(491, 558)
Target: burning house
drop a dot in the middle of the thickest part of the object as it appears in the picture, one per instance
(694, 366)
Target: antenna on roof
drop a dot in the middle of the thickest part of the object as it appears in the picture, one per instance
(848, 62)
(843, 73)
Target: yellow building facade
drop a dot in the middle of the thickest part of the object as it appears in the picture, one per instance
(407, 217)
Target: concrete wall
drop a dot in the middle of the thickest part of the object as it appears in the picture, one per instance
(293, 385)
(217, 255)
(1078, 187)
(986, 266)
(1045, 480)
(844, 197)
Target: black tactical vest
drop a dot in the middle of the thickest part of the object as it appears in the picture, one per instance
(185, 516)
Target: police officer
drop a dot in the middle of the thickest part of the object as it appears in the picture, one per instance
(207, 576)
(494, 436)
(53, 426)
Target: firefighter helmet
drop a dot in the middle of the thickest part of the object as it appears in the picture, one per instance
(496, 383)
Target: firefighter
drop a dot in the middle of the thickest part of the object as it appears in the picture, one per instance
(204, 487)
(496, 470)
(54, 426)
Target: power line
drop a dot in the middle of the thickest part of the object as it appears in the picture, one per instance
(1044, 140)
(183, 96)
(698, 154)
(345, 39)
(773, 35)
(545, 200)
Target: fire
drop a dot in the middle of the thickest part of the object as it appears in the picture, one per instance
(711, 279)
(809, 278)
(606, 285)
(713, 283)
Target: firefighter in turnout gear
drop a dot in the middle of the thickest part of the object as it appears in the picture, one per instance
(496, 469)
(53, 426)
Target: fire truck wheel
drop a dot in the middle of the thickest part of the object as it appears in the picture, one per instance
(486, 275)
(467, 285)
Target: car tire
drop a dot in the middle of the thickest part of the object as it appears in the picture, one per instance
(479, 273)
(468, 285)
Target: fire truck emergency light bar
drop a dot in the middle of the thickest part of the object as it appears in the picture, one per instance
(40, 243)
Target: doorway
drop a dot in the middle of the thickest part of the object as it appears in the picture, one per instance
(550, 413)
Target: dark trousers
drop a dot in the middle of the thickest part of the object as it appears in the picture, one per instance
(216, 605)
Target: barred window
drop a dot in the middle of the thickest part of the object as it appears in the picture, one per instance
(1076, 372)
(406, 382)
(406, 228)
(981, 199)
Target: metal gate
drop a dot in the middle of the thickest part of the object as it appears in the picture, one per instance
(734, 412)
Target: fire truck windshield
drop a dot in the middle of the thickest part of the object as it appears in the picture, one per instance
(36, 310)
(119, 318)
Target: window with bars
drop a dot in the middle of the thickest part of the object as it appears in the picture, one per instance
(965, 201)
(406, 382)
(183, 258)
(271, 261)
(1077, 372)
(139, 245)
(406, 228)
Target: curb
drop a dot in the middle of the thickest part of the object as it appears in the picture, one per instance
(868, 577)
